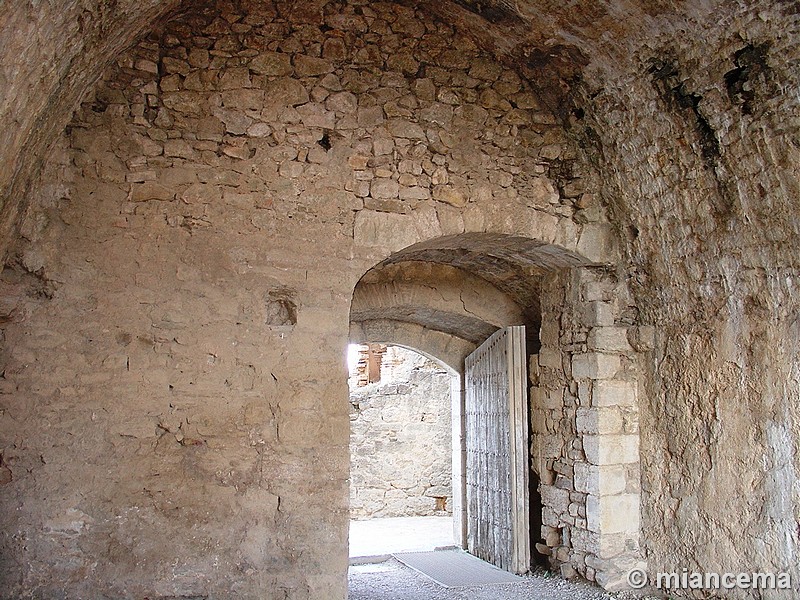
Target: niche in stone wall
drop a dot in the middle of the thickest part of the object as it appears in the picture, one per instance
(281, 310)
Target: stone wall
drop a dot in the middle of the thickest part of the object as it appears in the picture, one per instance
(400, 440)
(585, 424)
(173, 413)
(711, 244)
(174, 416)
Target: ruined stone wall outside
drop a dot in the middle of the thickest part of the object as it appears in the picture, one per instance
(174, 418)
(400, 442)
(705, 198)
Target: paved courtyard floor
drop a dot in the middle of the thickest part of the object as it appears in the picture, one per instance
(381, 537)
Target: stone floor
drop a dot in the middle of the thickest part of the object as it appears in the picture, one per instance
(391, 580)
(375, 575)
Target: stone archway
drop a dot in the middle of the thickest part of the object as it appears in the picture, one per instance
(445, 295)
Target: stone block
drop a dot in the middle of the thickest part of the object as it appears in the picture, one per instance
(564, 483)
(552, 537)
(311, 66)
(291, 169)
(392, 206)
(533, 369)
(273, 64)
(235, 122)
(585, 542)
(643, 338)
(150, 191)
(148, 146)
(407, 180)
(140, 176)
(594, 291)
(370, 116)
(542, 192)
(599, 420)
(555, 498)
(179, 149)
(426, 222)
(613, 339)
(438, 491)
(389, 230)
(334, 49)
(613, 514)
(598, 314)
(314, 115)
(553, 399)
(201, 193)
(585, 392)
(259, 130)
(550, 151)
(526, 100)
(285, 91)
(606, 480)
(148, 66)
(611, 449)
(550, 517)
(210, 128)
(437, 113)
(406, 129)
(449, 195)
(234, 78)
(199, 58)
(344, 102)
(536, 398)
(549, 357)
(450, 219)
(597, 242)
(593, 365)
(614, 545)
(543, 549)
(414, 193)
(614, 577)
(384, 189)
(190, 103)
(611, 392)
(245, 100)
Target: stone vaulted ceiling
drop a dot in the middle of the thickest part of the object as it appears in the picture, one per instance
(54, 51)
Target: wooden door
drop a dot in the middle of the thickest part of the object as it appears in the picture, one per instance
(496, 427)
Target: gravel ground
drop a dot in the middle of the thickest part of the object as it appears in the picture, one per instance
(392, 580)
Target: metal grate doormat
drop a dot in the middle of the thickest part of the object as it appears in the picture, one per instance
(455, 568)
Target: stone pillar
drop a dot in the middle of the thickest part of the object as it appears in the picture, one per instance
(607, 422)
(585, 428)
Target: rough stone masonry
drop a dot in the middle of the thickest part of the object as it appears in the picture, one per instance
(202, 203)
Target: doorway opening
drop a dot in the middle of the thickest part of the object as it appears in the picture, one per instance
(401, 451)
(445, 297)
(449, 297)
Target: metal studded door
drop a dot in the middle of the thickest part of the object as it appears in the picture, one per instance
(496, 424)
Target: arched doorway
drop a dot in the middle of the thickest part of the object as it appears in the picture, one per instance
(446, 296)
